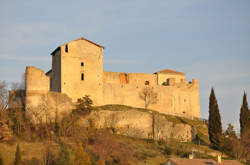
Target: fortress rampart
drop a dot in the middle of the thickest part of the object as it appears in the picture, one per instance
(77, 70)
(179, 98)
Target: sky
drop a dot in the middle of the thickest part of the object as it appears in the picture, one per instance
(207, 39)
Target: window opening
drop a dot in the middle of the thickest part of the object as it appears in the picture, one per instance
(82, 63)
(66, 48)
(146, 82)
(82, 76)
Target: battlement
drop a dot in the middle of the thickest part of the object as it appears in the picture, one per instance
(138, 79)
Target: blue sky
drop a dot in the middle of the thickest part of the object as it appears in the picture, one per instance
(207, 39)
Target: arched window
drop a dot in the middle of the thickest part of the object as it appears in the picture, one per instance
(82, 63)
(146, 82)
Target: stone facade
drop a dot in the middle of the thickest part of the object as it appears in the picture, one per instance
(77, 70)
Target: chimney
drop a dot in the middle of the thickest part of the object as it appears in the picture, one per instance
(219, 159)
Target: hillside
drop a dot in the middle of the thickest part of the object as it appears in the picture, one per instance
(106, 145)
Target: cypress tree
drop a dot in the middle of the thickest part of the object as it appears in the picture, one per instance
(214, 121)
(244, 115)
(17, 156)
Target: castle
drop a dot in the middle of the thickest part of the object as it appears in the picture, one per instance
(77, 70)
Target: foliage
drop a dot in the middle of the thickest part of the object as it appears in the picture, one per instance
(109, 149)
(3, 96)
(244, 115)
(230, 133)
(214, 122)
(18, 158)
(82, 158)
(85, 104)
(1, 159)
(148, 96)
(49, 157)
(64, 156)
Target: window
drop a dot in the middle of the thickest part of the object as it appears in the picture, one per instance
(66, 48)
(82, 76)
(82, 63)
(146, 82)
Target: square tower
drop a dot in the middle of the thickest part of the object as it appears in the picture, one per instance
(77, 70)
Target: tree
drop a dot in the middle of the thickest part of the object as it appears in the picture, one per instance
(148, 96)
(244, 115)
(214, 121)
(85, 104)
(230, 133)
(3, 96)
(17, 156)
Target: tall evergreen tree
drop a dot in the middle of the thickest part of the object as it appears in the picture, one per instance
(244, 115)
(214, 121)
(17, 156)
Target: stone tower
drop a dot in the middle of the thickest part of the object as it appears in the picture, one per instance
(77, 70)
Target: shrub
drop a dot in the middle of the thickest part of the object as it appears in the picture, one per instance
(84, 104)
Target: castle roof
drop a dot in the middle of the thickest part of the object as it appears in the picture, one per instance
(168, 71)
(82, 38)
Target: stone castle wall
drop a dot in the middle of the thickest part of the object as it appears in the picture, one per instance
(40, 102)
(77, 70)
(180, 99)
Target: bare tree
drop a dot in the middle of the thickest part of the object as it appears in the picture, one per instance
(18, 85)
(148, 96)
(3, 96)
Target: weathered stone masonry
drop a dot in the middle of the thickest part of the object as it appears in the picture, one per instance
(77, 70)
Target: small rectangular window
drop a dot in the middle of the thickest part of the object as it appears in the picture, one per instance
(82, 76)
(66, 48)
(82, 63)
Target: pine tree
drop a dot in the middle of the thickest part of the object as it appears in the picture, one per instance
(244, 115)
(17, 156)
(214, 125)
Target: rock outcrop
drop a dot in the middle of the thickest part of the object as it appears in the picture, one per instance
(138, 124)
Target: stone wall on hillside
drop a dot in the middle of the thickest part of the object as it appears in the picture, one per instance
(138, 124)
